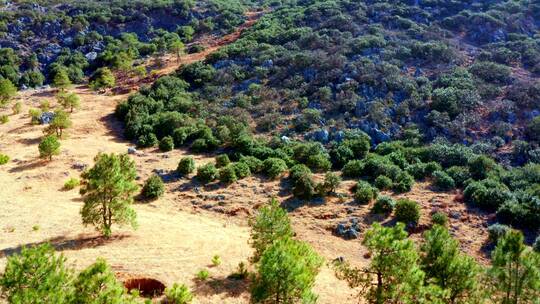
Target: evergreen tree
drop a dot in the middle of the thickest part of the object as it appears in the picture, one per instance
(393, 275)
(59, 123)
(446, 267)
(69, 101)
(61, 79)
(108, 190)
(7, 91)
(36, 275)
(515, 271)
(270, 225)
(49, 146)
(286, 273)
(98, 285)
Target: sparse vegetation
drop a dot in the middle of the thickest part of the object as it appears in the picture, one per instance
(178, 294)
(71, 183)
(49, 146)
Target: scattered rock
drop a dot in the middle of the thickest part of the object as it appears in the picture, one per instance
(79, 166)
(46, 118)
(132, 150)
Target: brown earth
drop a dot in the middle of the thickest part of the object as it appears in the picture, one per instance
(180, 233)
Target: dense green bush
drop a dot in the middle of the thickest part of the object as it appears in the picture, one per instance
(442, 181)
(364, 192)
(147, 140)
(255, 165)
(241, 170)
(274, 167)
(178, 294)
(488, 194)
(439, 218)
(227, 174)
(207, 173)
(330, 184)
(353, 169)
(304, 186)
(166, 144)
(481, 166)
(383, 183)
(222, 160)
(403, 182)
(319, 163)
(407, 211)
(459, 174)
(536, 244)
(186, 166)
(383, 205)
(153, 187)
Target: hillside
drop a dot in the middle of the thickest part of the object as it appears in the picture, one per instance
(311, 151)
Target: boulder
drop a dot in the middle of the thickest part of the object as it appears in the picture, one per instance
(132, 150)
(46, 118)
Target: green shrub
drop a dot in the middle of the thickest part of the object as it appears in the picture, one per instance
(439, 218)
(178, 294)
(443, 181)
(186, 166)
(407, 212)
(203, 275)
(4, 159)
(241, 169)
(403, 182)
(383, 183)
(166, 144)
(255, 165)
(71, 183)
(304, 186)
(227, 174)
(496, 231)
(487, 194)
(4, 119)
(147, 140)
(216, 260)
(35, 114)
(383, 205)
(353, 169)
(364, 192)
(297, 171)
(480, 166)
(153, 187)
(274, 167)
(319, 163)
(207, 173)
(222, 160)
(241, 273)
(459, 174)
(330, 184)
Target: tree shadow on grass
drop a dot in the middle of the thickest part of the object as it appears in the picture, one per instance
(61, 243)
(224, 285)
(28, 165)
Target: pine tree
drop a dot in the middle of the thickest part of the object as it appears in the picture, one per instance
(61, 79)
(393, 275)
(108, 190)
(69, 101)
(49, 146)
(270, 225)
(286, 273)
(98, 285)
(36, 275)
(515, 271)
(445, 266)
(59, 123)
(7, 91)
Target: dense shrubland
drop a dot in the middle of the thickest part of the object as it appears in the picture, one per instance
(42, 40)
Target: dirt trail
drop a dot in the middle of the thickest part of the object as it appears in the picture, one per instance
(174, 239)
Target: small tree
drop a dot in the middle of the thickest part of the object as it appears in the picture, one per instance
(207, 173)
(102, 78)
(393, 275)
(186, 166)
(36, 275)
(166, 144)
(177, 47)
(286, 273)
(446, 267)
(61, 79)
(407, 211)
(178, 294)
(270, 225)
(59, 123)
(107, 191)
(69, 101)
(7, 91)
(515, 272)
(153, 187)
(49, 146)
(97, 284)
